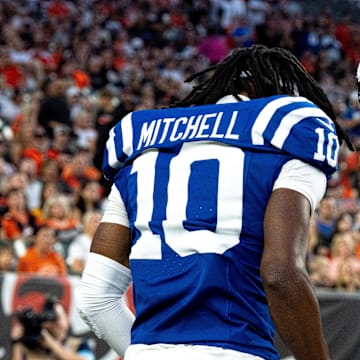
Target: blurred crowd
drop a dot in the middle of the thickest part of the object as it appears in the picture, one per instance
(69, 70)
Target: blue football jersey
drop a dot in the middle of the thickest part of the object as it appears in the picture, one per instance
(195, 183)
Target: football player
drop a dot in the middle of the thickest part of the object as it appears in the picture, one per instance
(209, 215)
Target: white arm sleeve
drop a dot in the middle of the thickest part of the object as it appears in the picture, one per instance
(115, 211)
(304, 178)
(100, 301)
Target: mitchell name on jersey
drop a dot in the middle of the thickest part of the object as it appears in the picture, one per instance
(278, 123)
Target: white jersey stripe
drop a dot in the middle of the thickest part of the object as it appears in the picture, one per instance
(291, 119)
(266, 114)
(111, 149)
(127, 134)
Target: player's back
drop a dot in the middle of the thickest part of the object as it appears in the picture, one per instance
(195, 183)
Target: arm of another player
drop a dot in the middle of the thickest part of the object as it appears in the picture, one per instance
(106, 278)
(290, 295)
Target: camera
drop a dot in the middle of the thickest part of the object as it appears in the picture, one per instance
(32, 323)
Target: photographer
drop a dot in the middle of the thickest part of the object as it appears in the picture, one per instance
(48, 336)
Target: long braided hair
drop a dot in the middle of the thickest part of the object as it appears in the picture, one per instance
(260, 72)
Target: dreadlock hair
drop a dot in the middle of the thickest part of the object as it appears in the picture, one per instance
(260, 72)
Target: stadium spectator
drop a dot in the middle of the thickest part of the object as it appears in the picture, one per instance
(6, 167)
(49, 189)
(79, 170)
(53, 341)
(54, 109)
(15, 180)
(214, 47)
(344, 266)
(84, 131)
(58, 214)
(24, 143)
(7, 257)
(50, 172)
(17, 223)
(41, 258)
(351, 118)
(33, 184)
(90, 198)
(105, 118)
(344, 222)
(80, 246)
(76, 101)
(10, 71)
(225, 10)
(62, 146)
(325, 219)
(96, 72)
(318, 267)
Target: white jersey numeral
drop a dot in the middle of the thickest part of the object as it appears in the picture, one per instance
(149, 244)
(332, 148)
(229, 200)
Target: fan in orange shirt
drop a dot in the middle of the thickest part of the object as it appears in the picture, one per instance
(17, 223)
(41, 258)
(57, 213)
(79, 171)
